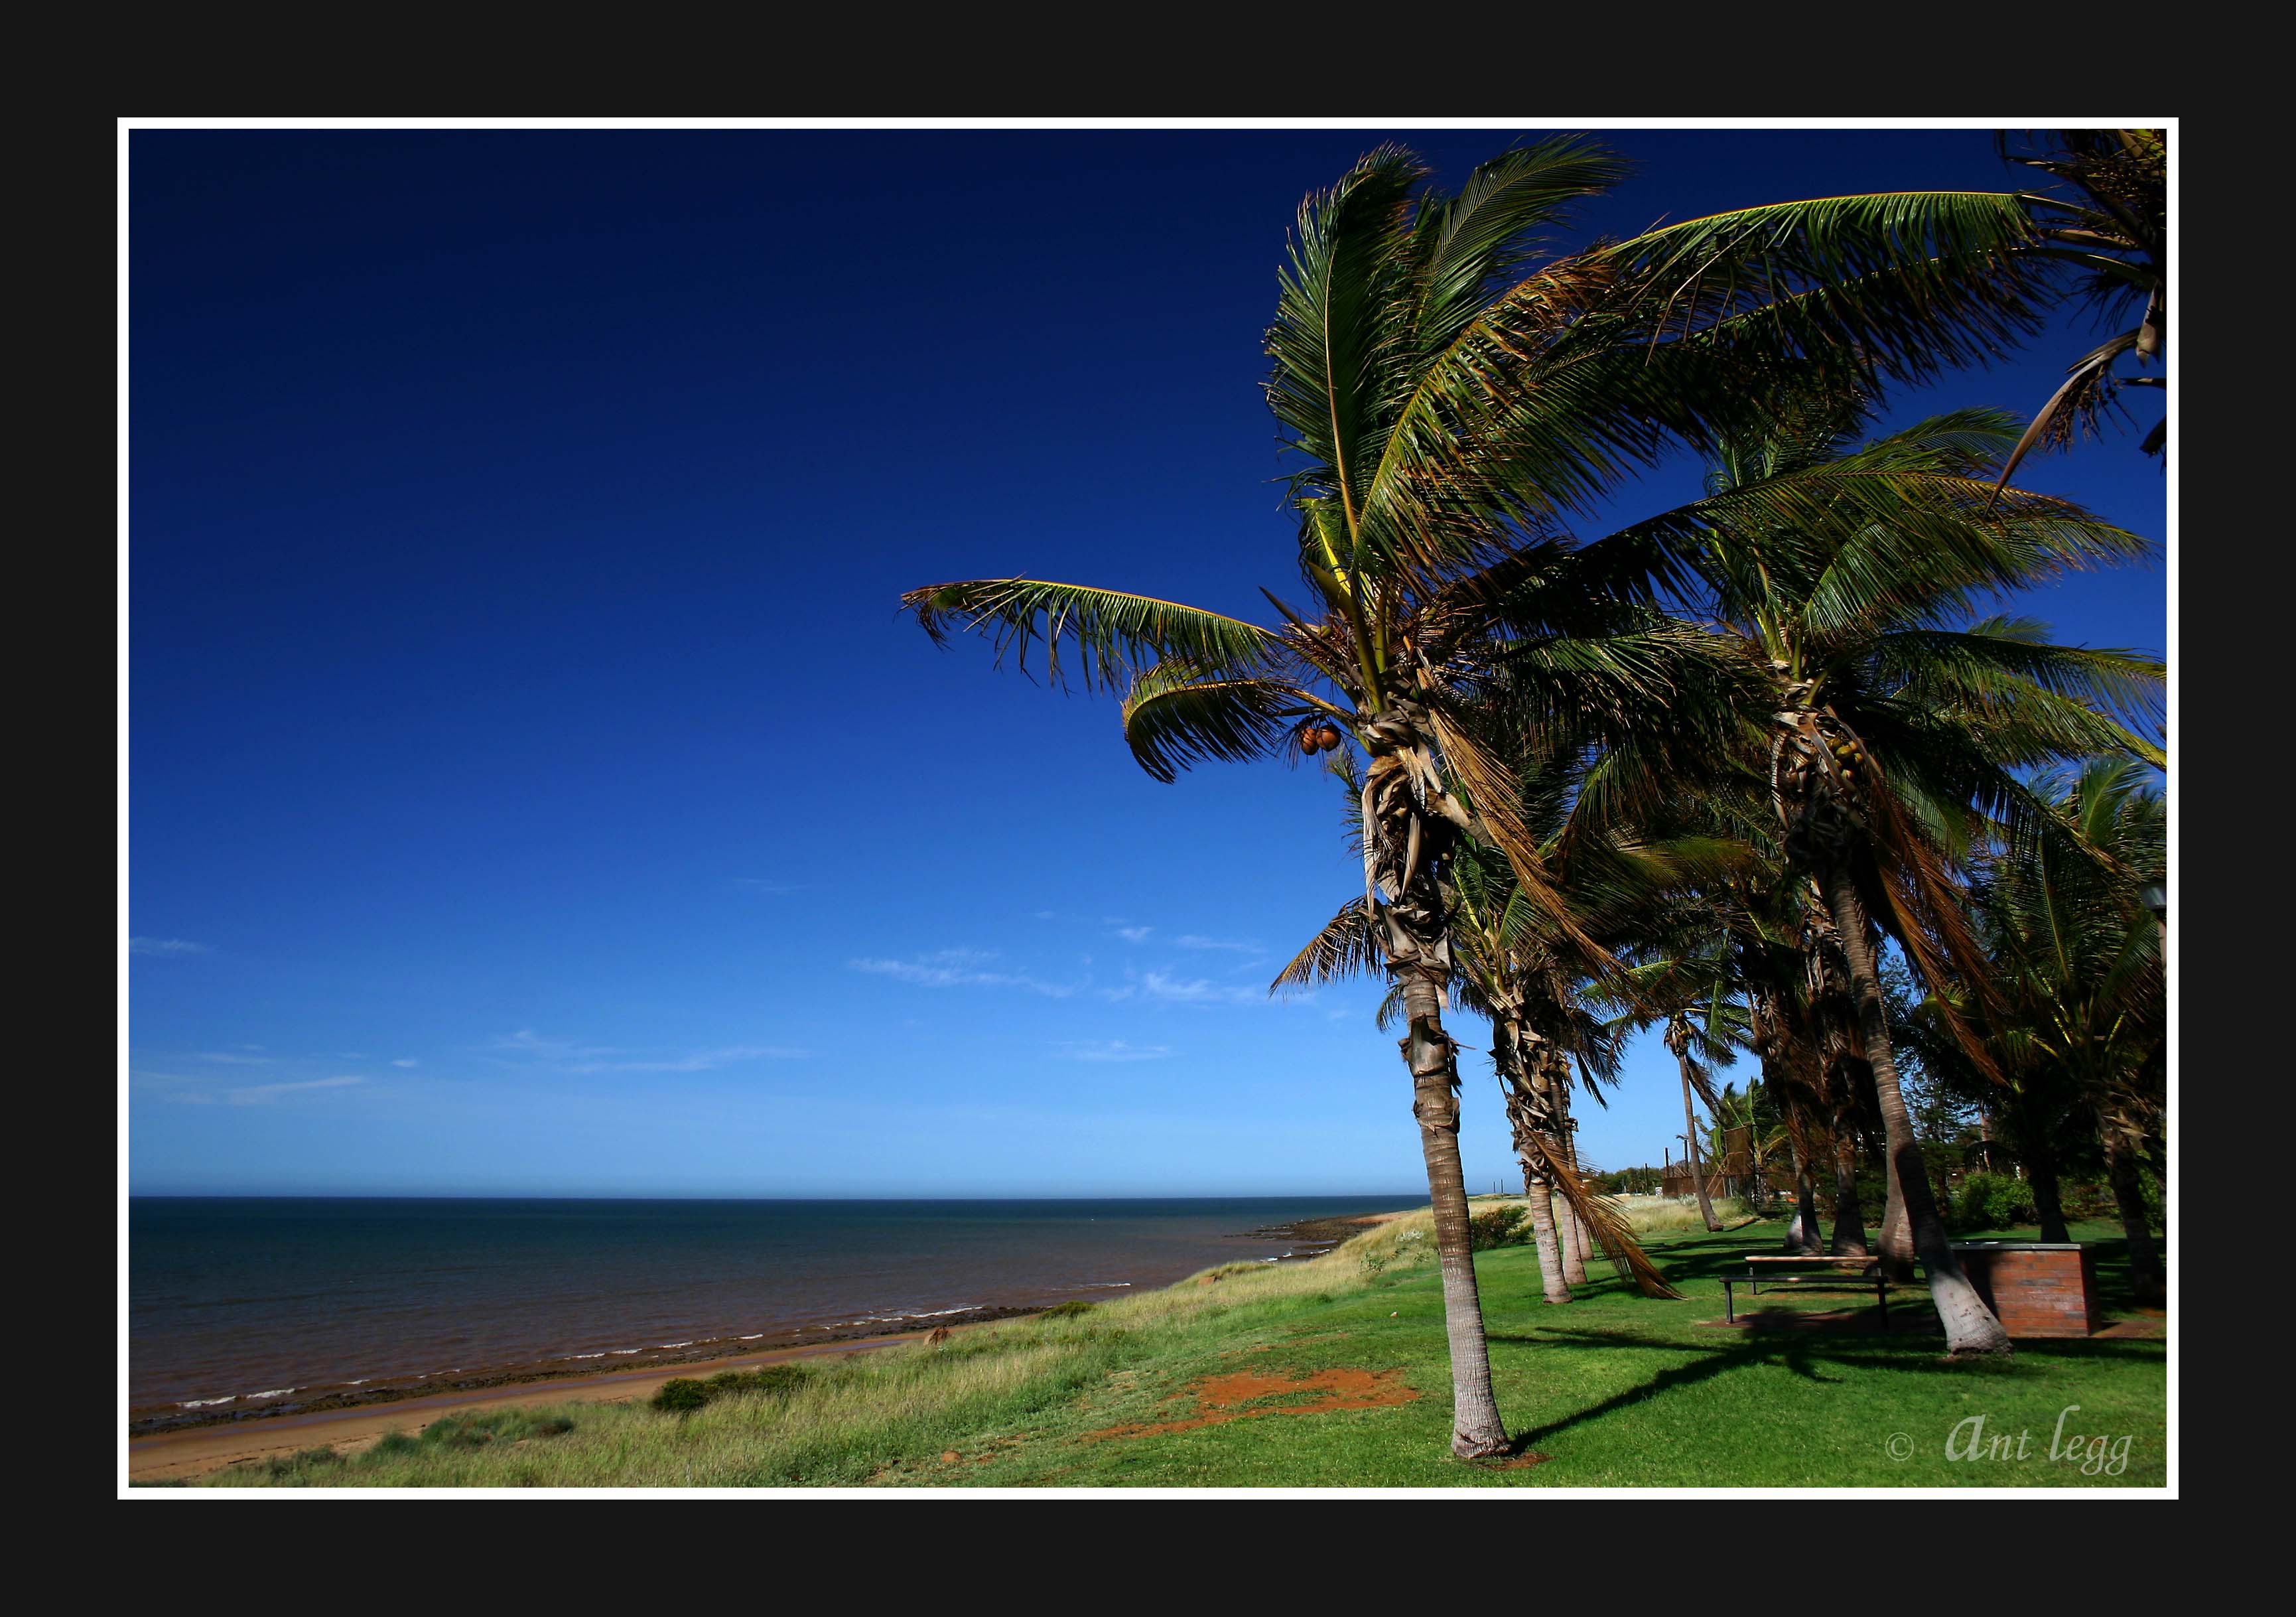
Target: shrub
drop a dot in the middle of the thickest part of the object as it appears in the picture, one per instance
(485, 1426)
(1067, 1311)
(1401, 1243)
(302, 1459)
(682, 1395)
(779, 1381)
(1498, 1227)
(1996, 1200)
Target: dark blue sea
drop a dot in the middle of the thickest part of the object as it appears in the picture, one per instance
(237, 1304)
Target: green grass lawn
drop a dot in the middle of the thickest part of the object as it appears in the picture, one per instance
(1615, 1390)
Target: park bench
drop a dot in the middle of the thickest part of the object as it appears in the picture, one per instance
(1793, 1270)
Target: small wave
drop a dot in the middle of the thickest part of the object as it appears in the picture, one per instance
(625, 1349)
(202, 1403)
(273, 1393)
(677, 1345)
(750, 1338)
(361, 1382)
(589, 1356)
(1104, 1285)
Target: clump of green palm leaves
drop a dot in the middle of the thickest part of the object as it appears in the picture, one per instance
(1899, 721)
(2076, 1015)
(1454, 395)
(1514, 967)
(2104, 219)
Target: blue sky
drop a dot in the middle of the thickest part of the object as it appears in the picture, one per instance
(533, 788)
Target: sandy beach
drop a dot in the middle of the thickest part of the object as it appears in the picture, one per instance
(199, 1450)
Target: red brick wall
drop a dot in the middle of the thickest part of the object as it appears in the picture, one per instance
(2036, 1293)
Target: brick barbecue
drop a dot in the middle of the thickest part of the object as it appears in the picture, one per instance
(2036, 1288)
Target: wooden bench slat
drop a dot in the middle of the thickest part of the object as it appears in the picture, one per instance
(1799, 1257)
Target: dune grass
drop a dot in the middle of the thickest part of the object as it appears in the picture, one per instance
(1613, 1390)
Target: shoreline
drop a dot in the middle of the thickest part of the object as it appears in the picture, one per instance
(331, 1398)
(205, 1440)
(192, 1452)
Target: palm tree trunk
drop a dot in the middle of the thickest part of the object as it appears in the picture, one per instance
(1528, 1112)
(1567, 1243)
(1571, 1230)
(1690, 1144)
(1418, 963)
(2128, 1196)
(2048, 1195)
(1897, 1242)
(1970, 1326)
(1804, 1235)
(1894, 1247)
(1848, 1216)
(1543, 1204)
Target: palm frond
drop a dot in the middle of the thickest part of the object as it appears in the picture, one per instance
(1349, 946)
(1111, 634)
(1610, 1229)
(1898, 285)
(1342, 326)
(1174, 716)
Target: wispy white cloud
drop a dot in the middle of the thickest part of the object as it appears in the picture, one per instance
(259, 1093)
(572, 1056)
(407, 1061)
(527, 1041)
(1198, 991)
(1164, 988)
(232, 1058)
(168, 946)
(759, 884)
(952, 968)
(1133, 934)
(1190, 940)
(700, 1060)
(1113, 1050)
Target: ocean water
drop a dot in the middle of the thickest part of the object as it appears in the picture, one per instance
(242, 1303)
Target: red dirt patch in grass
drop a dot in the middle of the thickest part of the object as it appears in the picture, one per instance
(1246, 1393)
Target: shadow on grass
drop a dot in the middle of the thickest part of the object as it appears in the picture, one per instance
(1802, 1353)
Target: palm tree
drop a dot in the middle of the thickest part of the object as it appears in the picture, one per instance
(1896, 726)
(1508, 971)
(2112, 233)
(1448, 401)
(1689, 988)
(1784, 1032)
(2079, 1012)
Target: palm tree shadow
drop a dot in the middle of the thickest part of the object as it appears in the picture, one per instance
(1799, 1353)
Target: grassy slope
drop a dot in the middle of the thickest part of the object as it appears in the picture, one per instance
(1616, 1390)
